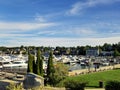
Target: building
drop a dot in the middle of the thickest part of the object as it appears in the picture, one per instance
(92, 52)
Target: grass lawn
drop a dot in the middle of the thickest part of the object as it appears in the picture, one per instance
(94, 78)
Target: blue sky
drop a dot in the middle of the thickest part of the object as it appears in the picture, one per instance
(59, 22)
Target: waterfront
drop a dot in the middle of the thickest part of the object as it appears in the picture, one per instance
(72, 61)
(92, 70)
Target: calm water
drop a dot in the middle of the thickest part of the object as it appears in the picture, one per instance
(78, 67)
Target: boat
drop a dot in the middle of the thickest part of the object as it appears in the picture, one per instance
(20, 64)
(13, 64)
(82, 63)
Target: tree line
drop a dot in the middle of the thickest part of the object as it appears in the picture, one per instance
(79, 50)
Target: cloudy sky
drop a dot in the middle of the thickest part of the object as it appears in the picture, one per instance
(59, 22)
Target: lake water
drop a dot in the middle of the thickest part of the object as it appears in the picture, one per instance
(78, 67)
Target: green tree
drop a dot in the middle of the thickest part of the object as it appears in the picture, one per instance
(39, 63)
(107, 47)
(34, 65)
(61, 72)
(50, 69)
(116, 53)
(30, 63)
(21, 47)
(41, 66)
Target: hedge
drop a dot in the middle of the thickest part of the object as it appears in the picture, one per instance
(112, 85)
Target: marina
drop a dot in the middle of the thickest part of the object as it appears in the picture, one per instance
(18, 63)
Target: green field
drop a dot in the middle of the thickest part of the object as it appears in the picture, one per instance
(94, 78)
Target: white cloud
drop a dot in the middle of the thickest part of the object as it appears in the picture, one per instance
(49, 32)
(76, 8)
(83, 31)
(47, 17)
(60, 41)
(79, 30)
(23, 25)
(68, 31)
(79, 6)
(40, 18)
(14, 35)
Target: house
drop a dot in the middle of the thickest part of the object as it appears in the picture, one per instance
(92, 52)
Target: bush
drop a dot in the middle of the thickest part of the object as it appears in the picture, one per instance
(75, 85)
(112, 85)
(14, 86)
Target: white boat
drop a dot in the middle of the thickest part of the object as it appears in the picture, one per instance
(20, 64)
(14, 64)
(5, 63)
(106, 64)
(82, 63)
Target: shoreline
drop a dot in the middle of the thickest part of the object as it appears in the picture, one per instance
(86, 71)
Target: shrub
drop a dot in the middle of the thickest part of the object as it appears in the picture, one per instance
(14, 86)
(112, 85)
(75, 84)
